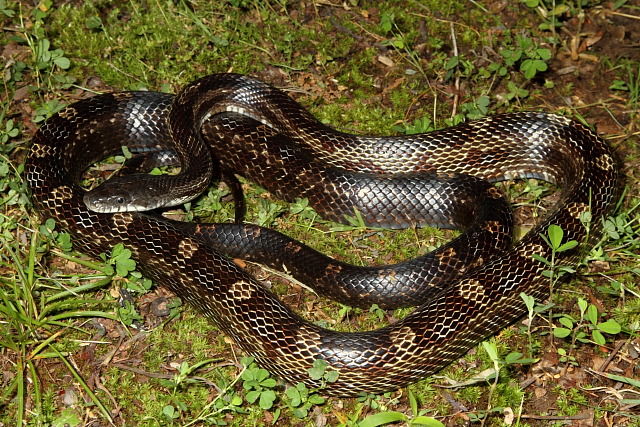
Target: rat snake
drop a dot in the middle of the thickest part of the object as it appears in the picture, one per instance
(237, 123)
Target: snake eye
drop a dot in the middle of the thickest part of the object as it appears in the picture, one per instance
(120, 200)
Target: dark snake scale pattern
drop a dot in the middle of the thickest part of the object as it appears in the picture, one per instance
(242, 120)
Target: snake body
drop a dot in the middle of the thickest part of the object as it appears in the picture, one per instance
(299, 157)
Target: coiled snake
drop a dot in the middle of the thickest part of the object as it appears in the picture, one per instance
(291, 154)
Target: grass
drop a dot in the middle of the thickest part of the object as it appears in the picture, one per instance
(66, 347)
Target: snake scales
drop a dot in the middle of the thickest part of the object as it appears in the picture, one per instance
(299, 157)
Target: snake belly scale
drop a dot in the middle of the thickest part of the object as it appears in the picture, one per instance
(482, 301)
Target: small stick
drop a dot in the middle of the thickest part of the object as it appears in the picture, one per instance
(457, 81)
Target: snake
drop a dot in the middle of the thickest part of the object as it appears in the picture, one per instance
(233, 122)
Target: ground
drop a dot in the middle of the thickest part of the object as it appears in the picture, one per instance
(73, 353)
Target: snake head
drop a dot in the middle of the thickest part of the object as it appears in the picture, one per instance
(133, 193)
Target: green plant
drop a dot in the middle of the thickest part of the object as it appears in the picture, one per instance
(46, 61)
(304, 212)
(321, 371)
(301, 399)
(9, 131)
(355, 222)
(226, 401)
(630, 85)
(400, 41)
(498, 364)
(389, 417)
(5, 10)
(268, 212)
(588, 312)
(128, 314)
(421, 125)
(48, 230)
(183, 376)
(532, 310)
(589, 321)
(47, 110)
(570, 400)
(34, 315)
(554, 239)
(531, 58)
(258, 384)
(549, 11)
(635, 391)
(515, 91)
(119, 262)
